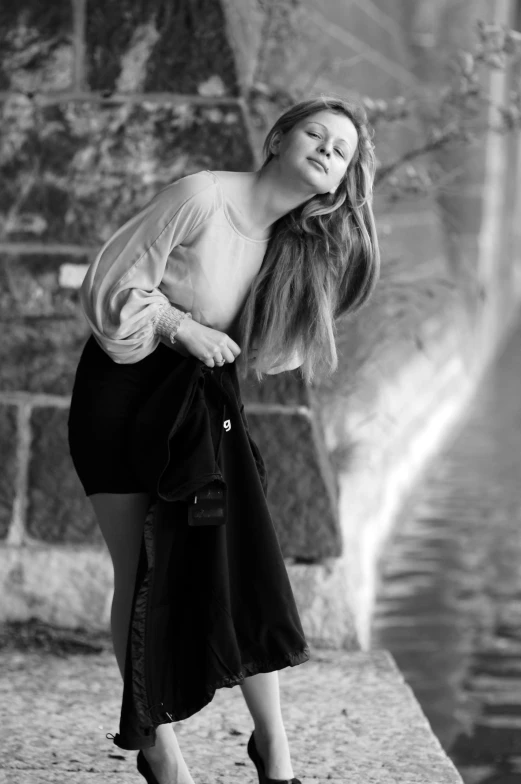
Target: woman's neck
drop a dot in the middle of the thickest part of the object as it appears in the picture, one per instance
(271, 196)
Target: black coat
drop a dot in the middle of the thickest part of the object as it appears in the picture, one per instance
(212, 603)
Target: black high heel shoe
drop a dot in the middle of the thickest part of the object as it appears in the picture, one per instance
(259, 764)
(145, 769)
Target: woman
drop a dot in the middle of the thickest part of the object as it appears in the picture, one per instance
(246, 267)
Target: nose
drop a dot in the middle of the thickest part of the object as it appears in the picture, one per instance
(325, 148)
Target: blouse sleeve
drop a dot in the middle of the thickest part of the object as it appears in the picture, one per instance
(119, 294)
(295, 361)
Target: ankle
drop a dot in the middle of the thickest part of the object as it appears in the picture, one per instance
(272, 746)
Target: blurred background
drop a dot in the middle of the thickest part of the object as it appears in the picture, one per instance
(394, 484)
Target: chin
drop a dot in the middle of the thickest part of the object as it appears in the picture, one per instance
(311, 179)
(319, 189)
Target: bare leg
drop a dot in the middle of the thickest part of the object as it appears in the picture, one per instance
(262, 696)
(121, 517)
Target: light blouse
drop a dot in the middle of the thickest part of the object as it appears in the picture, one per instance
(186, 250)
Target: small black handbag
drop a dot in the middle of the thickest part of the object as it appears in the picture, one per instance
(208, 505)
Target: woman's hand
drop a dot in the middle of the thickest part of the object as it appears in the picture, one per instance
(207, 344)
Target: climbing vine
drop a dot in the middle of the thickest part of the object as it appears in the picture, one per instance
(457, 111)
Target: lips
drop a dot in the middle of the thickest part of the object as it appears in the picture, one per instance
(319, 163)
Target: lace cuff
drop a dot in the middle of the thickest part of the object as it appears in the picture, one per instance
(167, 320)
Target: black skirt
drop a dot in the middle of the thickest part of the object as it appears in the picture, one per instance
(105, 398)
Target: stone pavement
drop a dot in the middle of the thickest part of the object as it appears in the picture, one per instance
(349, 716)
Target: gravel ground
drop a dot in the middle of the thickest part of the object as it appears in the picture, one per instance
(349, 716)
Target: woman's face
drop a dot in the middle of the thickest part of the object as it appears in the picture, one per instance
(317, 150)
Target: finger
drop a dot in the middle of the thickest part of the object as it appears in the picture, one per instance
(227, 354)
(234, 348)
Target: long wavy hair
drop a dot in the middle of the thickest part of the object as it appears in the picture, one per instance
(322, 260)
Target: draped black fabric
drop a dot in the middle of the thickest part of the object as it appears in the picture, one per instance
(213, 603)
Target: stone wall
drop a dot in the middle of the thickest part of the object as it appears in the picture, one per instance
(102, 105)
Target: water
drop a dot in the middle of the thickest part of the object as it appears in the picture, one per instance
(449, 603)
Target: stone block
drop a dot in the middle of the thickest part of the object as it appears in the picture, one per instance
(159, 46)
(324, 602)
(31, 286)
(9, 461)
(245, 27)
(465, 164)
(312, 57)
(41, 354)
(301, 496)
(462, 213)
(351, 718)
(351, 74)
(66, 586)
(75, 172)
(383, 38)
(58, 510)
(36, 48)
(43, 325)
(71, 275)
(396, 13)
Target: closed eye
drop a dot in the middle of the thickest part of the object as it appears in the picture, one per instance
(317, 136)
